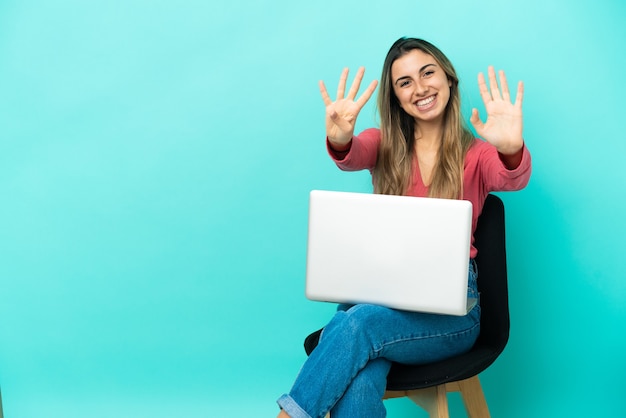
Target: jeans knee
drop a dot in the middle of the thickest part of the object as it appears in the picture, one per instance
(366, 317)
(357, 325)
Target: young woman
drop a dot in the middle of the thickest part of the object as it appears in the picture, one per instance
(422, 148)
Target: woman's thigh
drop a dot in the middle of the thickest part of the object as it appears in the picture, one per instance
(411, 337)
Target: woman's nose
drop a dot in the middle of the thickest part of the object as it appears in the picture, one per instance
(420, 89)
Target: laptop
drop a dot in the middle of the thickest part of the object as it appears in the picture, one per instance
(408, 253)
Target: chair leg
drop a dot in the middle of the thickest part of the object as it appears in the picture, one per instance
(433, 400)
(473, 398)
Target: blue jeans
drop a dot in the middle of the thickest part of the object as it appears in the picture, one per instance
(346, 374)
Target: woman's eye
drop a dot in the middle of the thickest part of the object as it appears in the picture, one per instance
(404, 83)
(428, 73)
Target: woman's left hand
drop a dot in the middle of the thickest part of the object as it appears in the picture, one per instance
(503, 128)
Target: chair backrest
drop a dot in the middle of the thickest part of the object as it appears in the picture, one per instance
(489, 239)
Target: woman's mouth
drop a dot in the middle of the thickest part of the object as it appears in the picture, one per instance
(427, 103)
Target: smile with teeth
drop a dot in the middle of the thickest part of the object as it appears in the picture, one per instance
(425, 102)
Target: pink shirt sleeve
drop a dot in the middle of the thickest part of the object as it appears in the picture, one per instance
(485, 171)
(362, 153)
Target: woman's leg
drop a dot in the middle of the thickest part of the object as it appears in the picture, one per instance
(363, 333)
(357, 336)
(364, 396)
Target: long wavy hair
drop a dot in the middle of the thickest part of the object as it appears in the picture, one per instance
(392, 173)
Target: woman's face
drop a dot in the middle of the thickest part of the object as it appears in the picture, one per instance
(421, 86)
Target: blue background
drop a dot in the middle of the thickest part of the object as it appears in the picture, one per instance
(155, 164)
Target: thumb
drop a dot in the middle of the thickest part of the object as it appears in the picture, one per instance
(343, 122)
(475, 120)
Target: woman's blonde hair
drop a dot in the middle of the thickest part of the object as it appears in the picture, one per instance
(392, 173)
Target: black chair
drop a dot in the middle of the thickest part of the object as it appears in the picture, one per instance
(427, 385)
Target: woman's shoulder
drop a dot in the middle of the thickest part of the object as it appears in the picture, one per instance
(479, 153)
(479, 147)
(369, 138)
(373, 133)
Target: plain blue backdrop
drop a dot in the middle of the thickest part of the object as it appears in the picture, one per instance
(155, 164)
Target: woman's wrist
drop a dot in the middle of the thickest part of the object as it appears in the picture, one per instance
(512, 160)
(339, 147)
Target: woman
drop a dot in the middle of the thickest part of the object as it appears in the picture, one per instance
(422, 148)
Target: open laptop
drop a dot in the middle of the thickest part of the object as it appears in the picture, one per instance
(409, 253)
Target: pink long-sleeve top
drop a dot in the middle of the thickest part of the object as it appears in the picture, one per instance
(484, 171)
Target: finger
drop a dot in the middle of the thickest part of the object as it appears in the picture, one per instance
(341, 89)
(519, 97)
(325, 97)
(505, 87)
(493, 84)
(354, 89)
(475, 121)
(482, 88)
(367, 94)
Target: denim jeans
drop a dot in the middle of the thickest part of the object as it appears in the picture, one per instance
(346, 374)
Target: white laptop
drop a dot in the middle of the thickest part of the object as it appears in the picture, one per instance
(409, 253)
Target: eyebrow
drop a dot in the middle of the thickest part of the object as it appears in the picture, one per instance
(420, 71)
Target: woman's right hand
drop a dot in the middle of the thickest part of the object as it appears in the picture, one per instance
(342, 113)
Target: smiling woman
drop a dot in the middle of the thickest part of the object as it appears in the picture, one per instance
(421, 149)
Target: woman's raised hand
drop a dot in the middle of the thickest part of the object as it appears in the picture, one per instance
(341, 114)
(503, 127)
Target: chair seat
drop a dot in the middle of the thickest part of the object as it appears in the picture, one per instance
(403, 377)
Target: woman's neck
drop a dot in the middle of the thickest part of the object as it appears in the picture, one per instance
(428, 136)
(427, 143)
